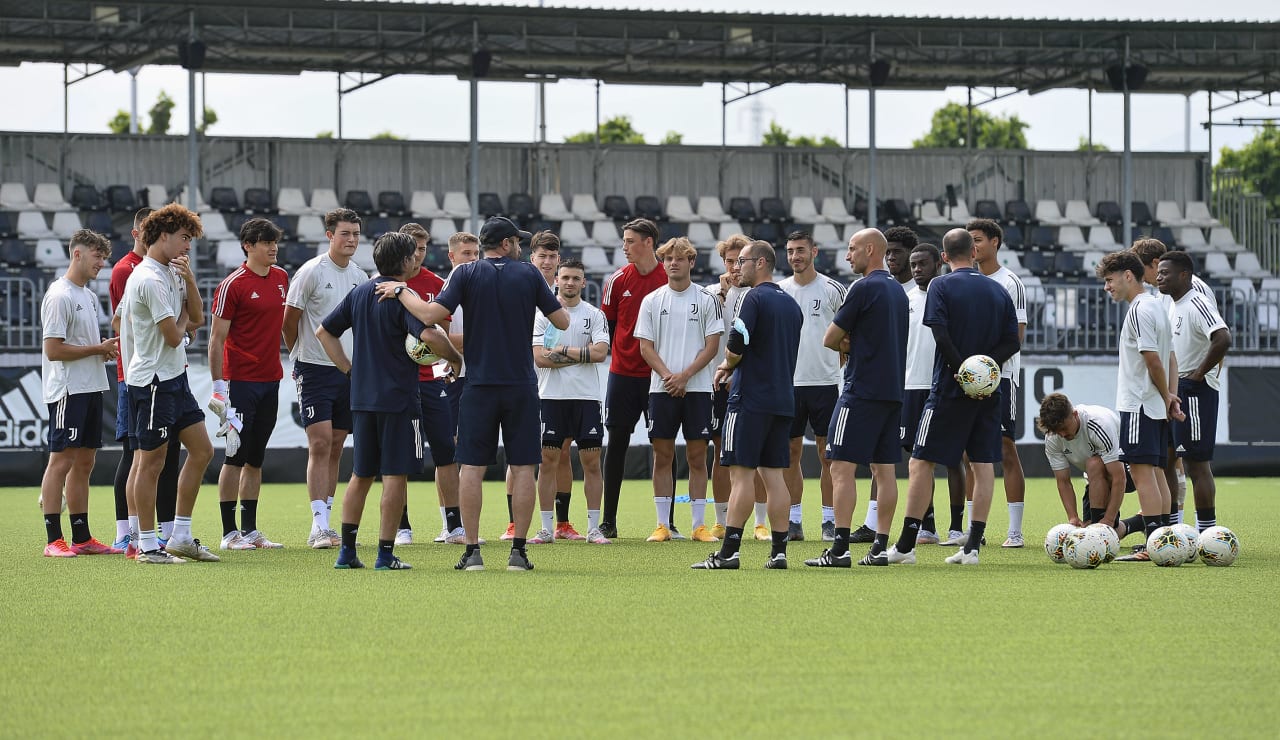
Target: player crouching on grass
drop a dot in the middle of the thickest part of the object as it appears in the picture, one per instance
(384, 395)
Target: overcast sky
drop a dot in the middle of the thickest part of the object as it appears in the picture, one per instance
(435, 108)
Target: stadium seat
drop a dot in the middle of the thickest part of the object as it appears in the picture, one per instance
(1013, 236)
(1089, 263)
(1067, 264)
(804, 211)
(1247, 264)
(101, 222)
(224, 200)
(235, 222)
(711, 210)
(322, 201)
(49, 198)
(375, 227)
(700, 235)
(860, 208)
(295, 254)
(605, 233)
(1041, 236)
(229, 255)
(1102, 238)
(583, 207)
(1141, 213)
(959, 213)
(726, 229)
(154, 196)
(119, 248)
(1109, 212)
(1198, 215)
(773, 210)
(1071, 237)
(1077, 213)
(679, 209)
(617, 208)
(120, 198)
(1221, 239)
(671, 230)
(838, 262)
(456, 204)
(66, 223)
(490, 204)
(391, 202)
(311, 229)
(258, 200)
(215, 227)
(767, 231)
(1242, 290)
(13, 197)
(16, 253)
(898, 211)
(441, 229)
(826, 236)
(574, 233)
(1018, 212)
(1217, 265)
(1192, 239)
(930, 215)
(50, 254)
(849, 231)
(551, 206)
(619, 258)
(647, 206)
(201, 206)
(741, 209)
(364, 256)
(1035, 290)
(1037, 262)
(1166, 237)
(360, 202)
(1169, 214)
(423, 204)
(8, 227)
(833, 210)
(1047, 213)
(715, 262)
(596, 261)
(987, 209)
(520, 207)
(290, 202)
(86, 198)
(31, 225)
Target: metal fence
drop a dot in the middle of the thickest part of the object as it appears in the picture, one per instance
(20, 313)
(1249, 215)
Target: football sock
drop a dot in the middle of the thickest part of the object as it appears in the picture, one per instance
(562, 505)
(228, 509)
(880, 544)
(762, 513)
(319, 516)
(795, 513)
(349, 534)
(828, 514)
(927, 524)
(1176, 517)
(1096, 515)
(147, 541)
(404, 518)
(181, 527)
(518, 543)
(699, 506)
(722, 512)
(1015, 517)
(80, 528)
(122, 528)
(1206, 518)
(593, 519)
(1133, 524)
(471, 549)
(167, 527)
(452, 517)
(907, 541)
(1166, 519)
(615, 462)
(121, 481)
(779, 543)
(957, 518)
(968, 513)
(549, 520)
(133, 526)
(249, 514)
(1150, 524)
(444, 518)
(663, 505)
(53, 527)
(873, 518)
(511, 517)
(328, 504)
(841, 545)
(732, 541)
(976, 530)
(385, 548)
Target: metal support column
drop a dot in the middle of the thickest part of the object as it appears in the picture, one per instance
(872, 180)
(193, 149)
(133, 100)
(473, 178)
(1126, 229)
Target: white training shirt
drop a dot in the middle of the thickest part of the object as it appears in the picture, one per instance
(1145, 329)
(152, 294)
(1193, 319)
(819, 300)
(1099, 435)
(70, 312)
(920, 343)
(317, 288)
(581, 382)
(1018, 292)
(678, 323)
(1197, 286)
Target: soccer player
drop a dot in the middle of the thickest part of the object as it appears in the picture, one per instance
(988, 237)
(500, 295)
(627, 394)
(817, 379)
(679, 329)
(1200, 342)
(761, 358)
(570, 394)
(871, 326)
(436, 411)
(464, 247)
(968, 314)
(902, 242)
(384, 395)
(73, 377)
(324, 393)
(1143, 397)
(154, 319)
(244, 361)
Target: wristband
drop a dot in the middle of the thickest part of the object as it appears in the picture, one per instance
(220, 387)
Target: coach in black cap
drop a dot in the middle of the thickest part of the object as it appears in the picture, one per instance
(498, 229)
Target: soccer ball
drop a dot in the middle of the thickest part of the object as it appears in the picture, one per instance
(1108, 536)
(1086, 551)
(979, 376)
(1054, 540)
(418, 351)
(1193, 537)
(1167, 547)
(1218, 546)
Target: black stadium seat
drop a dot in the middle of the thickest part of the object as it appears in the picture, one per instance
(1067, 264)
(121, 198)
(87, 198)
(258, 200)
(860, 208)
(285, 224)
(490, 204)
(101, 222)
(8, 226)
(987, 209)
(1165, 235)
(1042, 236)
(224, 199)
(520, 207)
(767, 231)
(360, 202)
(237, 221)
(1142, 213)
(119, 248)
(391, 202)
(1109, 212)
(296, 253)
(648, 206)
(617, 208)
(773, 209)
(671, 230)
(17, 253)
(1013, 236)
(897, 211)
(1018, 212)
(1036, 261)
(376, 227)
(742, 209)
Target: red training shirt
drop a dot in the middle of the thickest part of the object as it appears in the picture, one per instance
(120, 273)
(254, 304)
(623, 292)
(427, 285)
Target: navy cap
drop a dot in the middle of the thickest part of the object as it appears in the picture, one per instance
(498, 228)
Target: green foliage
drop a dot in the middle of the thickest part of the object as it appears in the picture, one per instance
(386, 136)
(949, 130)
(775, 135)
(160, 114)
(779, 136)
(210, 117)
(673, 137)
(616, 130)
(1085, 146)
(1258, 163)
(120, 123)
(325, 135)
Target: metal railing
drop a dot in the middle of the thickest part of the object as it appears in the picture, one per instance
(1248, 215)
(20, 313)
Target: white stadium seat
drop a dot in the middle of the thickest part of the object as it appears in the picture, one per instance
(1048, 214)
(49, 198)
(441, 229)
(1247, 264)
(680, 211)
(803, 211)
(215, 227)
(959, 213)
(574, 234)
(550, 205)
(1078, 213)
(595, 260)
(1169, 214)
(364, 256)
(833, 210)
(324, 200)
(201, 206)
(157, 196)
(825, 235)
(931, 216)
(1072, 238)
(50, 254)
(1198, 214)
(65, 224)
(727, 229)
(423, 204)
(229, 255)
(13, 197)
(290, 202)
(456, 205)
(311, 229)
(31, 225)
(583, 205)
(1217, 265)
(709, 208)
(605, 233)
(700, 235)
(1101, 237)
(1192, 239)
(1010, 259)
(1221, 239)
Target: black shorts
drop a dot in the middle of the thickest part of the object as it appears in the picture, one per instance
(626, 399)
(454, 392)
(437, 420)
(951, 427)
(690, 413)
(386, 444)
(576, 419)
(324, 394)
(756, 440)
(486, 409)
(719, 407)
(1143, 440)
(913, 401)
(257, 404)
(75, 420)
(1194, 437)
(865, 432)
(161, 410)
(1008, 408)
(814, 406)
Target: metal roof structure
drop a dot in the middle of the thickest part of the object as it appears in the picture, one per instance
(641, 46)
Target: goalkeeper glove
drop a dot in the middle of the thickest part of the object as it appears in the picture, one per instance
(219, 402)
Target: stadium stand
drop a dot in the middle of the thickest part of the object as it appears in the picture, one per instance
(258, 201)
(679, 209)
(584, 207)
(224, 200)
(833, 210)
(290, 202)
(617, 208)
(391, 203)
(48, 197)
(456, 204)
(13, 197)
(360, 202)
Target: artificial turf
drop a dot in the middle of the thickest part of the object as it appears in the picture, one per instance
(625, 639)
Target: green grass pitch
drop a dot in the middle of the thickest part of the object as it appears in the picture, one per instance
(626, 640)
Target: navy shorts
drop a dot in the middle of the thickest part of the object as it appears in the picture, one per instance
(754, 440)
(454, 392)
(626, 399)
(691, 412)
(913, 401)
(437, 420)
(161, 410)
(1195, 436)
(386, 444)
(123, 433)
(814, 406)
(257, 404)
(1008, 408)
(76, 421)
(719, 407)
(487, 408)
(865, 432)
(950, 427)
(1143, 440)
(324, 394)
(578, 420)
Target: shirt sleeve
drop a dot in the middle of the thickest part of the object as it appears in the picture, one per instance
(156, 296)
(1205, 315)
(712, 316)
(1018, 294)
(1053, 451)
(1104, 439)
(600, 328)
(451, 294)
(539, 329)
(339, 319)
(56, 318)
(300, 288)
(935, 305)
(847, 315)
(224, 305)
(1148, 326)
(835, 296)
(645, 328)
(547, 301)
(608, 305)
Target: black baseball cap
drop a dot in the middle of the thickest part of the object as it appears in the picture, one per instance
(498, 228)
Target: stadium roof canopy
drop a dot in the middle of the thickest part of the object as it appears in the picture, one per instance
(642, 46)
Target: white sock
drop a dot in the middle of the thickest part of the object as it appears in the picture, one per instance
(444, 519)
(166, 529)
(319, 516)
(795, 513)
(722, 513)
(133, 525)
(663, 505)
(181, 528)
(762, 513)
(828, 514)
(147, 541)
(549, 520)
(329, 503)
(968, 515)
(1177, 517)
(1015, 517)
(593, 519)
(873, 518)
(122, 529)
(699, 506)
